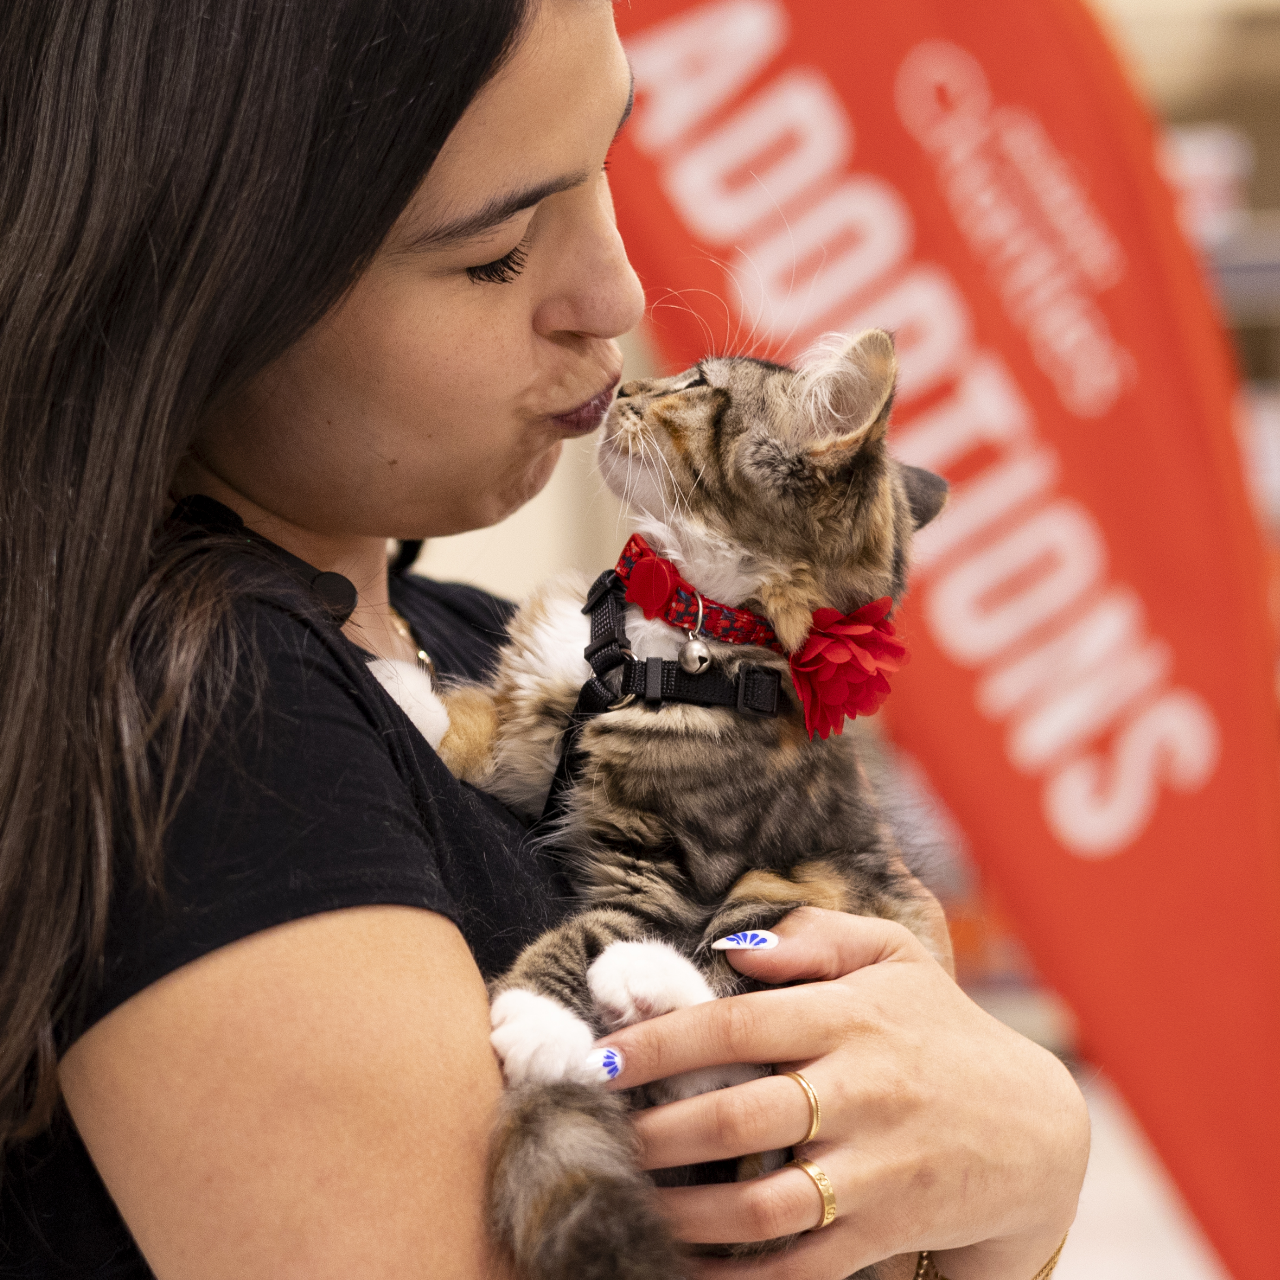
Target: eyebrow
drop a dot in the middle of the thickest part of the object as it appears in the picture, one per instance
(499, 209)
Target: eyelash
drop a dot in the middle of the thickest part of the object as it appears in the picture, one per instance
(503, 271)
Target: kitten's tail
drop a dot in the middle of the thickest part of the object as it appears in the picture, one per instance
(567, 1201)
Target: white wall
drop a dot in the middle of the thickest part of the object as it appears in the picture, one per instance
(1176, 47)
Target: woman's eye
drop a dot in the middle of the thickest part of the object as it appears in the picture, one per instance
(501, 271)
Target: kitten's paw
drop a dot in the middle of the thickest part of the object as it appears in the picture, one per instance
(538, 1040)
(635, 981)
(412, 689)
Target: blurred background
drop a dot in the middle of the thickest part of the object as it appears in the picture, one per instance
(1211, 70)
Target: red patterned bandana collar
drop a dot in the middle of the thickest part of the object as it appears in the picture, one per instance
(655, 584)
(841, 669)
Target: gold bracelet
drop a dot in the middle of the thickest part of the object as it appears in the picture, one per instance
(927, 1269)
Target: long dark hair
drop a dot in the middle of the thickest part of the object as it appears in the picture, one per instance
(185, 187)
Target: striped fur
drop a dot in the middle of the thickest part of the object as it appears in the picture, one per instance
(770, 489)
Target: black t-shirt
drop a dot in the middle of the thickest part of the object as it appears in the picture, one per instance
(318, 794)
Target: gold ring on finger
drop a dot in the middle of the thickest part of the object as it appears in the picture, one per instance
(825, 1189)
(815, 1108)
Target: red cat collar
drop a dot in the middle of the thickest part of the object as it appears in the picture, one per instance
(841, 669)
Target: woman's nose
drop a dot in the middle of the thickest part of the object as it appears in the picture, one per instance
(598, 294)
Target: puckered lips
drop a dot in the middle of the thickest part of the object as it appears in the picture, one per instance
(588, 415)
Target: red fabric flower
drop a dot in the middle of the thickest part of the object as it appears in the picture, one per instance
(652, 583)
(841, 668)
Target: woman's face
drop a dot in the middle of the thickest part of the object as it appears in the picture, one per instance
(434, 398)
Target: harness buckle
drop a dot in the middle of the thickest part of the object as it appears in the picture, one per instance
(599, 589)
(599, 646)
(761, 685)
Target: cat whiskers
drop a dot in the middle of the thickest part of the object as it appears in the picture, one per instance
(645, 454)
(708, 339)
(676, 496)
(753, 344)
(632, 480)
(775, 346)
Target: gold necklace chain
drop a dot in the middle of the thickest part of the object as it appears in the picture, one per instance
(405, 632)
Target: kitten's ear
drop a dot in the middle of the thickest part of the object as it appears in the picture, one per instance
(844, 394)
(926, 493)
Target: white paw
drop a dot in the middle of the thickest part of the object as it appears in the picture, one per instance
(413, 690)
(635, 981)
(538, 1040)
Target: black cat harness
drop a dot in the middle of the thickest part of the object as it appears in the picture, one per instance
(754, 690)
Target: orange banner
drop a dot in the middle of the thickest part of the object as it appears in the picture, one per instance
(1090, 689)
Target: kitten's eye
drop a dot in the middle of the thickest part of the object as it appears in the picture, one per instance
(698, 381)
(503, 270)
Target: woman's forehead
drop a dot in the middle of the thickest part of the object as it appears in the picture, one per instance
(543, 123)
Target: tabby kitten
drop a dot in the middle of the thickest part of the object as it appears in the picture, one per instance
(767, 489)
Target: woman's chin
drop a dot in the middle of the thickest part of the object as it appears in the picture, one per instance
(532, 482)
(505, 500)
(474, 507)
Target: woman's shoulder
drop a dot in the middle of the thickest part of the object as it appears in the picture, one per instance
(305, 790)
(312, 791)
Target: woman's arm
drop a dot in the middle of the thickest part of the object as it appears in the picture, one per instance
(312, 1101)
(941, 1128)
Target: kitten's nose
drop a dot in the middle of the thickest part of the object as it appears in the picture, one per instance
(628, 389)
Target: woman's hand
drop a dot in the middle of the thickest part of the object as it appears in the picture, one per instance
(941, 1128)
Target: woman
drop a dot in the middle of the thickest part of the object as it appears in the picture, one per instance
(324, 275)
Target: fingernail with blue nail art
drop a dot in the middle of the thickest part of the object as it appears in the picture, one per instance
(607, 1063)
(748, 940)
